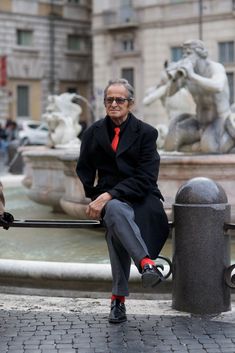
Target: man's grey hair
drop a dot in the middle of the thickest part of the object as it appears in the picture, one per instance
(123, 82)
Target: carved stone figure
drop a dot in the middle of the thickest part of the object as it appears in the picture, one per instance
(62, 116)
(178, 103)
(212, 128)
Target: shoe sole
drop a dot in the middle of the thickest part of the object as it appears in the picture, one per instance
(150, 280)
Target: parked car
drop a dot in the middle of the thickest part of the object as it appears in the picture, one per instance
(33, 132)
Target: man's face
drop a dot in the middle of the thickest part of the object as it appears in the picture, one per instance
(117, 109)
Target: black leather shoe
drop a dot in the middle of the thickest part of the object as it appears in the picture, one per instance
(151, 276)
(117, 312)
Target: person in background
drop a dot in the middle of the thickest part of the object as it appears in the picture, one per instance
(118, 166)
(6, 219)
(3, 144)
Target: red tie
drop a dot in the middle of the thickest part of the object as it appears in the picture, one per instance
(115, 141)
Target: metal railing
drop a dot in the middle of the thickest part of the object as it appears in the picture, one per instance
(44, 223)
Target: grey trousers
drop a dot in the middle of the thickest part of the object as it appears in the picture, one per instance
(124, 243)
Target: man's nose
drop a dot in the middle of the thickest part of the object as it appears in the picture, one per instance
(114, 102)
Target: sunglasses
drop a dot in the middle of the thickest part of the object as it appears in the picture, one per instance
(118, 100)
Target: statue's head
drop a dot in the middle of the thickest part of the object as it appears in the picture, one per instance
(195, 46)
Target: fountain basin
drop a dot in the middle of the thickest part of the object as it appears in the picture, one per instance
(176, 169)
(54, 181)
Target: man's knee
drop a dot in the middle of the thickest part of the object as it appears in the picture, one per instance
(115, 210)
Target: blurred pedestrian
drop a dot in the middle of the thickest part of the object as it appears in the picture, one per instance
(3, 143)
(12, 141)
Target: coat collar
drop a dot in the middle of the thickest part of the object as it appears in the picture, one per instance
(130, 133)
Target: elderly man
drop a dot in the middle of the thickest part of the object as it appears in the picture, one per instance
(5, 218)
(118, 166)
(206, 80)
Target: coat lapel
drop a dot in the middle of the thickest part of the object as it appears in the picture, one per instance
(102, 136)
(129, 136)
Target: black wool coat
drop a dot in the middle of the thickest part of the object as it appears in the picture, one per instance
(129, 175)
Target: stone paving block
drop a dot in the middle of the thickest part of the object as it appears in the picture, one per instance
(210, 345)
(195, 350)
(47, 346)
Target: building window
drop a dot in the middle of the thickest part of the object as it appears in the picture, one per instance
(24, 37)
(230, 76)
(23, 101)
(72, 90)
(74, 2)
(226, 52)
(74, 42)
(176, 53)
(128, 74)
(127, 44)
(126, 11)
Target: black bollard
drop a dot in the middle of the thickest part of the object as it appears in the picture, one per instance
(201, 249)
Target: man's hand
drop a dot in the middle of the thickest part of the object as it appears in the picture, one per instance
(94, 208)
(6, 219)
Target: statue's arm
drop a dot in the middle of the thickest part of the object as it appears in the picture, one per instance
(215, 83)
(155, 94)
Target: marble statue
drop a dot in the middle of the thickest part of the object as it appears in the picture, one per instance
(62, 116)
(212, 128)
(179, 103)
(175, 104)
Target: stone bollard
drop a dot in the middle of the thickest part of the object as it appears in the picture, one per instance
(201, 249)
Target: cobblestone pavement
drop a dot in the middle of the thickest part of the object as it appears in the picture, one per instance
(33, 324)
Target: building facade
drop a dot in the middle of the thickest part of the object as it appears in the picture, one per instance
(45, 48)
(134, 38)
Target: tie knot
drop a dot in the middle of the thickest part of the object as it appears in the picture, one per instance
(117, 130)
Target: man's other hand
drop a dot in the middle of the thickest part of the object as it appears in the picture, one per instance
(6, 219)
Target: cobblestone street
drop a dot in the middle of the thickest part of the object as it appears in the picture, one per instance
(33, 324)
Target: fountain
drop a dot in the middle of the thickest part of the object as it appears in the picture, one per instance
(200, 142)
(50, 170)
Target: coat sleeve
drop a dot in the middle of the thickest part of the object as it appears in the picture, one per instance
(145, 175)
(85, 169)
(2, 200)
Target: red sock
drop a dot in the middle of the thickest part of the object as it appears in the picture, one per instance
(119, 297)
(145, 261)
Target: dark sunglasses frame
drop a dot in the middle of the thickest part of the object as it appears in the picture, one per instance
(118, 100)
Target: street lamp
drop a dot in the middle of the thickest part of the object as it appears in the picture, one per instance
(200, 19)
